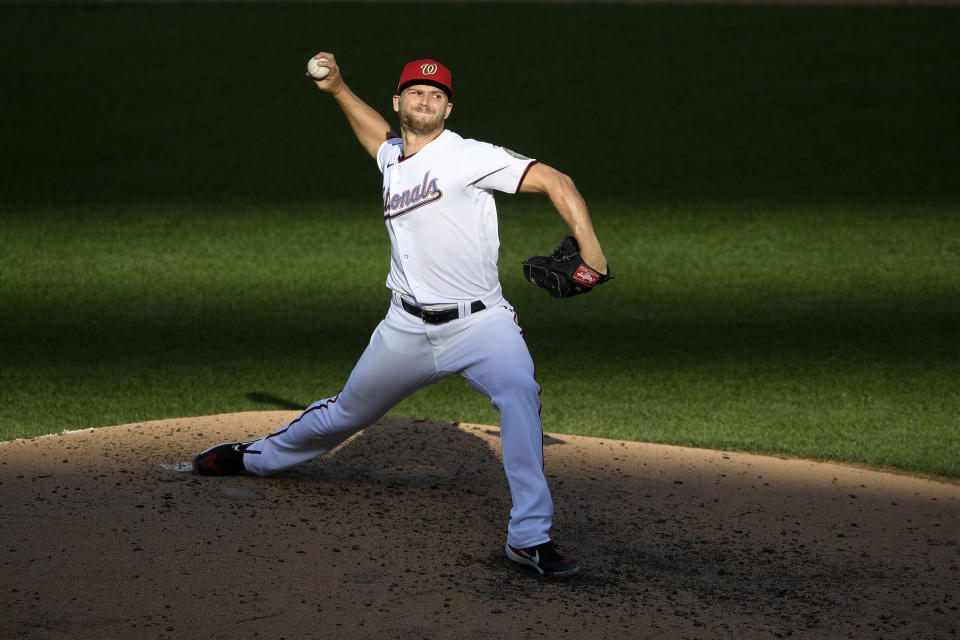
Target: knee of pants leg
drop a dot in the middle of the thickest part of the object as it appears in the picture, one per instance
(518, 388)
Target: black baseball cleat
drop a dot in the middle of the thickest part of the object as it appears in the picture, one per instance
(221, 460)
(545, 559)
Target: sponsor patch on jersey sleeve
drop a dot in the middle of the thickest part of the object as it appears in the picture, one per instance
(511, 152)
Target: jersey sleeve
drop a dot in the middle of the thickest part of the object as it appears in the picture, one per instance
(388, 152)
(491, 167)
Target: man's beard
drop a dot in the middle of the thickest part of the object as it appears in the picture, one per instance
(421, 123)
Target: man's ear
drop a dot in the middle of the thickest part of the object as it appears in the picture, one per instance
(449, 109)
(396, 103)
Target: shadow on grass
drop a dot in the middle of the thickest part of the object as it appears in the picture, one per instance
(261, 397)
(589, 335)
(776, 102)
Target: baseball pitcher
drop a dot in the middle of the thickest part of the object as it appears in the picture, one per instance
(447, 313)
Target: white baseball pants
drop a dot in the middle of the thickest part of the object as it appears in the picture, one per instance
(404, 355)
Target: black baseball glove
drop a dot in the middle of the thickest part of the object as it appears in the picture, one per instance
(563, 273)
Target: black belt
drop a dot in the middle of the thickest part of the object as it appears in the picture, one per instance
(441, 316)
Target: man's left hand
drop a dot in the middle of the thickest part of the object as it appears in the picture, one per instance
(564, 273)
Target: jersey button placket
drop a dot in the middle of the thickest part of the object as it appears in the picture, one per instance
(409, 266)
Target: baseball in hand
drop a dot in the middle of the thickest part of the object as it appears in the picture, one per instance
(315, 70)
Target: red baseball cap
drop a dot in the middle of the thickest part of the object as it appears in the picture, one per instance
(427, 72)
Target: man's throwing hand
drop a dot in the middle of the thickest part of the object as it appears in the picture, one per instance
(323, 70)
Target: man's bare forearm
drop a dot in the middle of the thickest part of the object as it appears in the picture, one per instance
(568, 202)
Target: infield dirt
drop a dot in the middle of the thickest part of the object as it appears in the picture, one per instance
(399, 534)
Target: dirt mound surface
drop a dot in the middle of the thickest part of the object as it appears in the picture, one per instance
(399, 534)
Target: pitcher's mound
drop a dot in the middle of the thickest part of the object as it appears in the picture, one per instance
(399, 534)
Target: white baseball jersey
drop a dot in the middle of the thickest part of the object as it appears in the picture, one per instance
(440, 214)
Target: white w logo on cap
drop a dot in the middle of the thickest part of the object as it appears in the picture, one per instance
(428, 69)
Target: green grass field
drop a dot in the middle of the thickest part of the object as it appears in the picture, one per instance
(188, 226)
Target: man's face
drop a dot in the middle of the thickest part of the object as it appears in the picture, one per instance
(422, 108)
